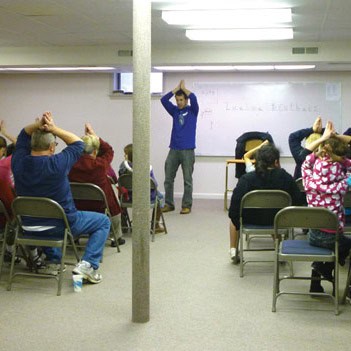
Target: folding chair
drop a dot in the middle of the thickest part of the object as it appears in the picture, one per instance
(300, 250)
(267, 202)
(91, 192)
(126, 223)
(126, 181)
(39, 208)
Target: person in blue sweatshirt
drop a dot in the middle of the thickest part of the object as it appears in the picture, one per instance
(182, 145)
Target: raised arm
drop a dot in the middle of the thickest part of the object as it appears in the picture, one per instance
(4, 132)
(328, 132)
(47, 124)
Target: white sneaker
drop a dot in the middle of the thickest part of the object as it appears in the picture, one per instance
(232, 253)
(88, 272)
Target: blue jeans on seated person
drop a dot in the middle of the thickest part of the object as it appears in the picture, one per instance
(327, 240)
(96, 225)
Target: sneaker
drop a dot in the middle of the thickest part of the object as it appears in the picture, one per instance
(167, 208)
(234, 255)
(51, 268)
(8, 257)
(121, 241)
(185, 210)
(88, 272)
(159, 229)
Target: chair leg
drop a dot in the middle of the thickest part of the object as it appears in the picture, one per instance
(11, 270)
(241, 241)
(3, 252)
(336, 284)
(275, 279)
(347, 287)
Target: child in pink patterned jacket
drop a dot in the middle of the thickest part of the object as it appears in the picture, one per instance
(324, 176)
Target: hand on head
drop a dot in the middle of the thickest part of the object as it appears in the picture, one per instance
(89, 129)
(2, 126)
(317, 125)
(47, 122)
(329, 130)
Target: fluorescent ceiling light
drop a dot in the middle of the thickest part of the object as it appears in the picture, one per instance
(239, 34)
(293, 67)
(219, 4)
(63, 69)
(194, 68)
(255, 68)
(233, 68)
(241, 18)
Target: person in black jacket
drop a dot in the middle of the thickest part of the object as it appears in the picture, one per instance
(313, 138)
(267, 175)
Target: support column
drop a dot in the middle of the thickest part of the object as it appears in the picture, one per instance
(141, 160)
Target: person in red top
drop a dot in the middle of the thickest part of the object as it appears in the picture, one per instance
(93, 167)
(7, 193)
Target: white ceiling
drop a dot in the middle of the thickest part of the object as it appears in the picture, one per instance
(108, 23)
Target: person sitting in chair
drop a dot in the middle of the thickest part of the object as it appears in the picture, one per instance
(93, 167)
(39, 172)
(267, 175)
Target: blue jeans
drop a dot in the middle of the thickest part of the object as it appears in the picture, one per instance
(96, 225)
(175, 158)
(327, 240)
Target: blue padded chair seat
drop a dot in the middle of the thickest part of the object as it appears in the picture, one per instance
(256, 226)
(302, 247)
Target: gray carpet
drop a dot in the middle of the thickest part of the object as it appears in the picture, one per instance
(198, 301)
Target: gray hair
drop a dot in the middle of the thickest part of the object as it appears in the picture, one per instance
(41, 140)
(91, 143)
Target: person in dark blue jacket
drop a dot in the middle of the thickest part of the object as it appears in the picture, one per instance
(182, 145)
(313, 138)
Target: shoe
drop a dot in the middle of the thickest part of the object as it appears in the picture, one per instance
(234, 255)
(8, 257)
(316, 286)
(88, 272)
(159, 229)
(167, 208)
(185, 210)
(51, 268)
(324, 269)
(120, 241)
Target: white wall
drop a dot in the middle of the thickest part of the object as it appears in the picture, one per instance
(78, 98)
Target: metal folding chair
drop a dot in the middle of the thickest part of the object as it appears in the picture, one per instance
(91, 192)
(300, 250)
(40, 208)
(252, 204)
(126, 181)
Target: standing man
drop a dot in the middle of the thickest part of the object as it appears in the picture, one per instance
(182, 145)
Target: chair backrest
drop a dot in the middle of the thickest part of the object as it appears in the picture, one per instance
(267, 202)
(82, 192)
(37, 207)
(126, 181)
(252, 143)
(306, 217)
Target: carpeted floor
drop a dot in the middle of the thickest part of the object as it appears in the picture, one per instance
(198, 301)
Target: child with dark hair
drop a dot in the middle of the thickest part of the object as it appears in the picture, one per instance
(325, 174)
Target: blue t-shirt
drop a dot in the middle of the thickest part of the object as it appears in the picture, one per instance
(184, 122)
(45, 176)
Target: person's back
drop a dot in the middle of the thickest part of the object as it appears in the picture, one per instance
(39, 172)
(267, 175)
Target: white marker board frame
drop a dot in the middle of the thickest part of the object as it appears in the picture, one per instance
(229, 109)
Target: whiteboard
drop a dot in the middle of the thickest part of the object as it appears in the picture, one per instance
(229, 109)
